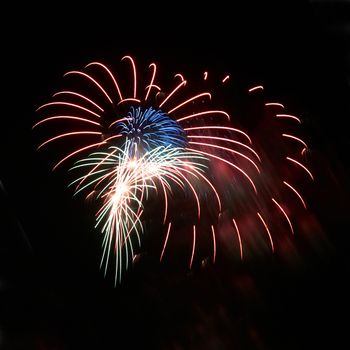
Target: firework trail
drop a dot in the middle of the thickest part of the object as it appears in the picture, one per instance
(132, 141)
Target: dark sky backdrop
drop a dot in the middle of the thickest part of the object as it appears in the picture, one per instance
(52, 294)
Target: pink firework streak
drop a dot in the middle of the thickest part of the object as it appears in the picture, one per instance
(245, 192)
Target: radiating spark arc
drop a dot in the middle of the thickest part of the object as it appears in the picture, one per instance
(79, 95)
(97, 182)
(274, 104)
(203, 113)
(285, 214)
(69, 134)
(189, 100)
(301, 165)
(303, 151)
(205, 75)
(95, 167)
(226, 149)
(183, 83)
(119, 120)
(239, 238)
(138, 215)
(165, 203)
(89, 194)
(256, 88)
(127, 235)
(226, 78)
(134, 71)
(166, 241)
(225, 140)
(180, 76)
(110, 74)
(112, 137)
(65, 117)
(141, 198)
(128, 100)
(214, 127)
(268, 231)
(295, 138)
(76, 152)
(226, 161)
(193, 245)
(153, 86)
(68, 104)
(91, 79)
(289, 116)
(296, 192)
(214, 243)
(152, 80)
(83, 149)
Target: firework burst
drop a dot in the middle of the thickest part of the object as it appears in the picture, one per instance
(132, 141)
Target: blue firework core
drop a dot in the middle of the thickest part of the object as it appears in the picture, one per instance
(150, 128)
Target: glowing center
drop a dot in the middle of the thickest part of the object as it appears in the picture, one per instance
(120, 190)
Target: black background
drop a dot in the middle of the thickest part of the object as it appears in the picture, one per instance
(52, 294)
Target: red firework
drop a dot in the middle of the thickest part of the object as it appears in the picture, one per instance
(250, 195)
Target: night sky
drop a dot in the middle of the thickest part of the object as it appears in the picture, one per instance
(52, 293)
